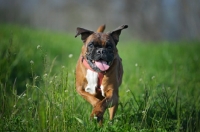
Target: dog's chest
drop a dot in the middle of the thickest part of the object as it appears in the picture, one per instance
(92, 79)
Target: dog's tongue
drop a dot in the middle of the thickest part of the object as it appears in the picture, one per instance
(102, 65)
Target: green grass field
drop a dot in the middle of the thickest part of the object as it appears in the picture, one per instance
(160, 90)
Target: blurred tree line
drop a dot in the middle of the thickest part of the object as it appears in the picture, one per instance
(147, 19)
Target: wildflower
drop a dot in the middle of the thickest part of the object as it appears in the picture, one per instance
(143, 112)
(95, 117)
(38, 46)
(152, 77)
(70, 55)
(136, 64)
(24, 95)
(32, 62)
(128, 90)
(45, 75)
(36, 77)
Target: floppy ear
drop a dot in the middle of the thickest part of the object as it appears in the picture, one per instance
(84, 33)
(115, 34)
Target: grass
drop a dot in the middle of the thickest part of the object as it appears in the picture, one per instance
(160, 90)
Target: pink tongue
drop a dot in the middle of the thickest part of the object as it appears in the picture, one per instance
(102, 65)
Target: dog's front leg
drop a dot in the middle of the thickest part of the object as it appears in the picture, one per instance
(90, 98)
(110, 101)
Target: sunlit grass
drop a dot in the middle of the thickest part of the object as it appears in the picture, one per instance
(160, 90)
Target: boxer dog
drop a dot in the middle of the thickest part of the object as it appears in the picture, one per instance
(99, 70)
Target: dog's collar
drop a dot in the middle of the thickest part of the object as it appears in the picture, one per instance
(100, 74)
(85, 63)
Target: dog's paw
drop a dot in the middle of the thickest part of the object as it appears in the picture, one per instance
(98, 112)
(97, 115)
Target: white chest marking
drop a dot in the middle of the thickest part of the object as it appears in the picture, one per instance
(92, 79)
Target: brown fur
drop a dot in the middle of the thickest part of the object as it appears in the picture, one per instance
(112, 77)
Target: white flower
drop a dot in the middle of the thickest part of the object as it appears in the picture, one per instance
(136, 64)
(38, 46)
(128, 90)
(45, 75)
(70, 55)
(36, 77)
(95, 117)
(32, 62)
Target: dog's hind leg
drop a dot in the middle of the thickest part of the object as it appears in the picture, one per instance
(112, 111)
(114, 106)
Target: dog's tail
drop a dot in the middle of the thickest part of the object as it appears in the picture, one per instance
(101, 28)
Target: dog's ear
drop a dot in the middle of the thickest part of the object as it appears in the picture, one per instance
(83, 32)
(115, 34)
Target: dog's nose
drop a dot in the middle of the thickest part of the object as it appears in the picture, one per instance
(101, 51)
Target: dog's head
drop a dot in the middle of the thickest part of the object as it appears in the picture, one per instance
(99, 48)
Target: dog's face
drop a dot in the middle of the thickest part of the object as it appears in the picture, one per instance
(99, 49)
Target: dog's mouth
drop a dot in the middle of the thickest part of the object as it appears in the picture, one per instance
(100, 65)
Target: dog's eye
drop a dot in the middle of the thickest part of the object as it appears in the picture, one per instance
(90, 45)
